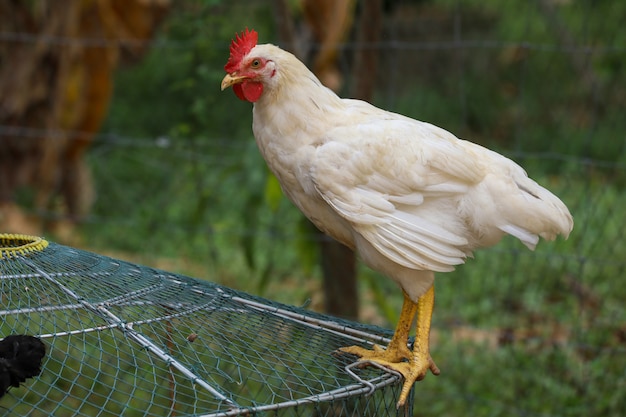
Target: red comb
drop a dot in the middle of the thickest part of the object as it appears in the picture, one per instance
(239, 47)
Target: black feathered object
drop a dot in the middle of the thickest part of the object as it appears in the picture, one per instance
(20, 359)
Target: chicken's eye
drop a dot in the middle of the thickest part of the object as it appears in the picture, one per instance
(256, 63)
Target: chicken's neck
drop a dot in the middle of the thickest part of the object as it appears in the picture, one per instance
(296, 113)
(289, 125)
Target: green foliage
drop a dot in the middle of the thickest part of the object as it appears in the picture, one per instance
(524, 79)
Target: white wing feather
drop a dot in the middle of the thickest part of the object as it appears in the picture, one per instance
(426, 199)
(385, 182)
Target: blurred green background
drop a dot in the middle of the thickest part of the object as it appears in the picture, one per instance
(179, 184)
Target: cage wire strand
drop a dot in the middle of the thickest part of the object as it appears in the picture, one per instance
(105, 320)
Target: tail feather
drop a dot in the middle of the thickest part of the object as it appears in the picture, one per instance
(529, 239)
(536, 212)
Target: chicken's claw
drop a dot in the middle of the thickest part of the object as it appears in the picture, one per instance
(413, 366)
(378, 353)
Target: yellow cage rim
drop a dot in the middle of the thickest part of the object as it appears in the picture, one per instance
(13, 244)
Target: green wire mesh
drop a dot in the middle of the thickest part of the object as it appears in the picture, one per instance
(124, 339)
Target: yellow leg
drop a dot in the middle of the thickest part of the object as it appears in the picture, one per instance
(420, 362)
(412, 365)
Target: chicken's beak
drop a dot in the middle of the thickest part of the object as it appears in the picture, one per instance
(230, 80)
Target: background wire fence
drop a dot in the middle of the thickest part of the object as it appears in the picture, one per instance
(180, 184)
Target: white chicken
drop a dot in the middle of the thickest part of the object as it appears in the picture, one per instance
(409, 197)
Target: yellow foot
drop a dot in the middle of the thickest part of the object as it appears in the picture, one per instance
(412, 366)
(379, 354)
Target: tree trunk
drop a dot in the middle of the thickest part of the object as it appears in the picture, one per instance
(366, 54)
(55, 97)
(338, 263)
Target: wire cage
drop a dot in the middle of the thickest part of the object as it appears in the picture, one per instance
(125, 339)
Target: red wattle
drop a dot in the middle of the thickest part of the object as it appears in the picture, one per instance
(251, 90)
(238, 89)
